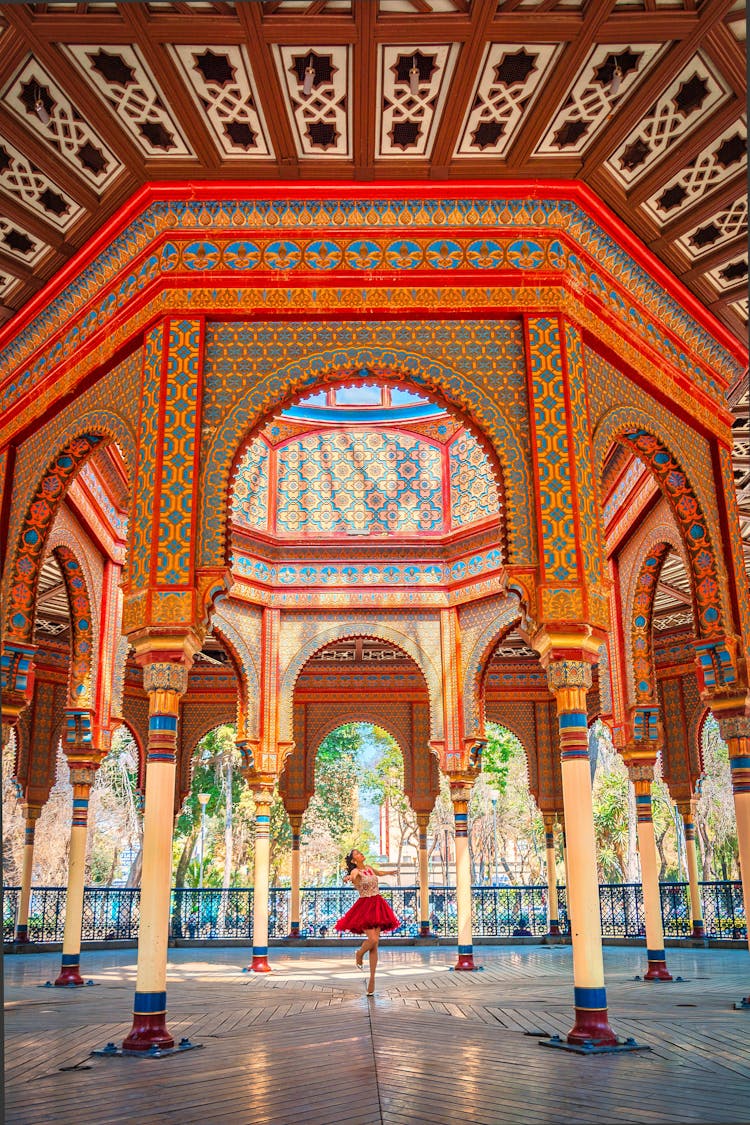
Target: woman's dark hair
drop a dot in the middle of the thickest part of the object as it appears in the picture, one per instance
(348, 860)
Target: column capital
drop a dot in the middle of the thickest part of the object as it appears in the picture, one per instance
(563, 674)
(82, 776)
(423, 820)
(640, 772)
(295, 822)
(734, 727)
(261, 786)
(686, 809)
(461, 785)
(548, 819)
(167, 676)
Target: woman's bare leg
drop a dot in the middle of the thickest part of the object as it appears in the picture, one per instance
(374, 937)
(360, 954)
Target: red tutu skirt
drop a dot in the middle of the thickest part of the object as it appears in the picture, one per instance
(367, 914)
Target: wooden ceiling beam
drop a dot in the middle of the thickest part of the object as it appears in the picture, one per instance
(727, 55)
(11, 265)
(274, 106)
(702, 211)
(178, 98)
(67, 27)
(654, 85)
(681, 154)
(364, 88)
(46, 160)
(737, 293)
(30, 221)
(648, 27)
(563, 75)
(464, 78)
(536, 27)
(712, 260)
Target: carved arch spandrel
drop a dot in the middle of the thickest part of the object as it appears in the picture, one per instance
(240, 629)
(416, 635)
(482, 625)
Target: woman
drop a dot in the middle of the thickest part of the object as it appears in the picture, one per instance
(370, 914)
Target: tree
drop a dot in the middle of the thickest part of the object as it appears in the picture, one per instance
(714, 813)
(385, 784)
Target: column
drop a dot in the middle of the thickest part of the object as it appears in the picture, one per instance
(564, 838)
(569, 680)
(32, 814)
(165, 683)
(642, 775)
(423, 819)
(460, 795)
(553, 921)
(295, 822)
(263, 795)
(686, 810)
(735, 731)
(70, 971)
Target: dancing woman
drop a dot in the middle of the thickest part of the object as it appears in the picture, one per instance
(370, 914)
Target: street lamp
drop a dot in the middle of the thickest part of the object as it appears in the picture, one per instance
(203, 798)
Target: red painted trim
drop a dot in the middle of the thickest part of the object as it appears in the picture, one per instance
(576, 192)
(619, 653)
(102, 716)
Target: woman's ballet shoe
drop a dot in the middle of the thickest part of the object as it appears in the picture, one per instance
(358, 963)
(370, 993)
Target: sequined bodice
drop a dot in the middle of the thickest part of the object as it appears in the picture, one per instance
(367, 884)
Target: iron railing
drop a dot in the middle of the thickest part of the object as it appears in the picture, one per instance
(111, 913)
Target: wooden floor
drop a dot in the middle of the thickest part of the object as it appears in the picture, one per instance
(304, 1046)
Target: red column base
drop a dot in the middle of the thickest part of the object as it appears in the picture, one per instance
(69, 974)
(260, 964)
(148, 1031)
(465, 963)
(294, 932)
(22, 938)
(424, 930)
(554, 930)
(699, 932)
(592, 1026)
(657, 970)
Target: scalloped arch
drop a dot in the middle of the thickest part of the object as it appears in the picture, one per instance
(508, 616)
(345, 631)
(254, 403)
(248, 709)
(644, 435)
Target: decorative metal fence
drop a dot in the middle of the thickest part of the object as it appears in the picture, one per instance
(111, 913)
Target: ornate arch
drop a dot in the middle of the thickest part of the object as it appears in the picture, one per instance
(627, 424)
(246, 667)
(365, 713)
(254, 402)
(29, 532)
(502, 622)
(82, 664)
(346, 630)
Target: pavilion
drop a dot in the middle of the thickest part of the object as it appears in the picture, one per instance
(389, 375)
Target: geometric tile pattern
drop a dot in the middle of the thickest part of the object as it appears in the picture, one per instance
(477, 366)
(123, 82)
(681, 710)
(593, 96)
(221, 81)
(67, 131)
(178, 451)
(148, 444)
(25, 183)
(720, 160)
(250, 488)
(82, 636)
(642, 624)
(371, 483)
(681, 108)
(412, 88)
(559, 546)
(693, 529)
(474, 493)
(509, 79)
(724, 226)
(30, 551)
(318, 83)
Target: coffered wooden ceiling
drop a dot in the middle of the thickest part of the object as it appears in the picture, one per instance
(644, 100)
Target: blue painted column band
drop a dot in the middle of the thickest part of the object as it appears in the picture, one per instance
(162, 722)
(260, 951)
(656, 955)
(70, 959)
(465, 949)
(149, 1003)
(590, 997)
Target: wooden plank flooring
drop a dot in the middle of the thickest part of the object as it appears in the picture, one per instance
(303, 1046)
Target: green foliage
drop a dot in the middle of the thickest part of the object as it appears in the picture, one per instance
(337, 770)
(500, 749)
